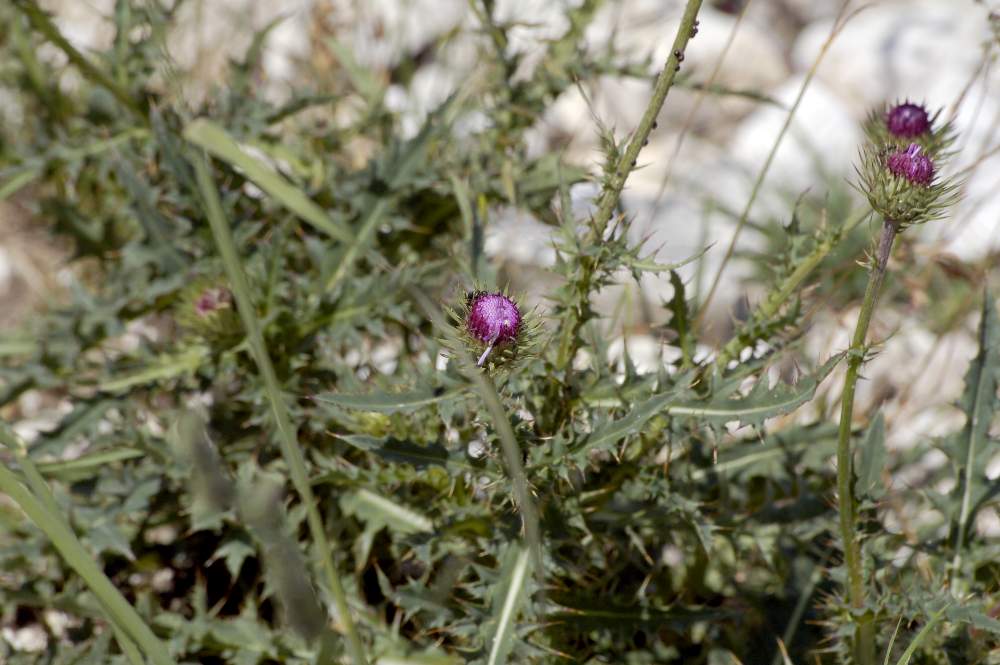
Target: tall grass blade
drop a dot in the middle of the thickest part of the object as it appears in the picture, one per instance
(287, 437)
(508, 604)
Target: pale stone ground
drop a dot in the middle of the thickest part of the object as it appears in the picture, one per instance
(926, 50)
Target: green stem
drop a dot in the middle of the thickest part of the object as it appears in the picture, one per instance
(501, 422)
(865, 638)
(287, 437)
(614, 182)
(777, 298)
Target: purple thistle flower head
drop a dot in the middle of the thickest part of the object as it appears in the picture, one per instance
(492, 319)
(911, 164)
(907, 120)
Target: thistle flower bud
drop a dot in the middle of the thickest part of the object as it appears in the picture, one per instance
(902, 185)
(493, 319)
(206, 310)
(911, 164)
(907, 120)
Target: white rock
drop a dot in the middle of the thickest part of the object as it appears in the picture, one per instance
(925, 49)
(823, 138)
(647, 353)
(85, 25)
(29, 638)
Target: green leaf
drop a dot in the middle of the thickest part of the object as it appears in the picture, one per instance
(387, 402)
(680, 321)
(105, 536)
(164, 368)
(403, 452)
(234, 552)
(84, 466)
(510, 595)
(974, 618)
(807, 446)
(379, 511)
(590, 614)
(970, 449)
(614, 431)
(924, 632)
(212, 138)
(869, 468)
(649, 265)
(761, 403)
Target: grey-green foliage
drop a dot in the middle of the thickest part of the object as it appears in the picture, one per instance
(682, 512)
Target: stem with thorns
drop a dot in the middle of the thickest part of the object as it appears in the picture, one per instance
(614, 182)
(864, 646)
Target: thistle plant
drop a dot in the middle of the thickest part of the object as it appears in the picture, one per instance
(904, 187)
(284, 470)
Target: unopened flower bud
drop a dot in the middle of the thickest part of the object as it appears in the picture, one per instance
(206, 310)
(898, 125)
(902, 184)
(907, 120)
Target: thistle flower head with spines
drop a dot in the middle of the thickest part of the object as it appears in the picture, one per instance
(206, 310)
(911, 164)
(495, 327)
(902, 183)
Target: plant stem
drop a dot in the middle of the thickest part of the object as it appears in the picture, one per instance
(483, 383)
(614, 182)
(865, 637)
(287, 437)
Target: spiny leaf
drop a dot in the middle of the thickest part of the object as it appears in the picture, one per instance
(612, 432)
(924, 632)
(164, 368)
(762, 402)
(388, 402)
(680, 322)
(593, 616)
(810, 446)
(970, 448)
